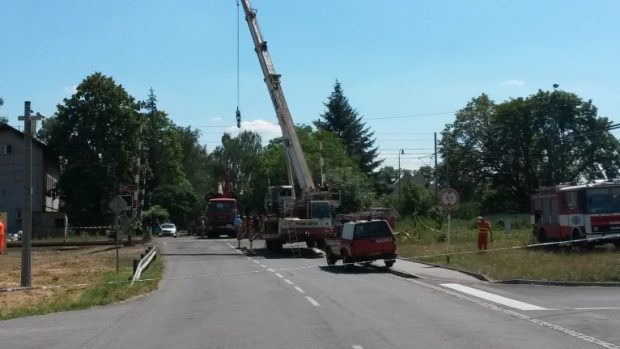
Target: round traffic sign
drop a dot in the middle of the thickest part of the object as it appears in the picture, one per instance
(449, 198)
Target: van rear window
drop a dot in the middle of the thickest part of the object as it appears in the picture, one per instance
(371, 230)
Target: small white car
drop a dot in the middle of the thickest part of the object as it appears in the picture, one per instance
(168, 229)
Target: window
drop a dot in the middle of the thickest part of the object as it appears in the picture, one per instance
(6, 149)
(571, 199)
(372, 229)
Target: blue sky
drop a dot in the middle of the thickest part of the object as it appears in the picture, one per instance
(419, 59)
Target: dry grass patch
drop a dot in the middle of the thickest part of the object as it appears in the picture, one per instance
(53, 266)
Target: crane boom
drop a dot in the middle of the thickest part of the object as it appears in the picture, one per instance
(272, 79)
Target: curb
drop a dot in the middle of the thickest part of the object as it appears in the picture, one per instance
(403, 274)
(482, 277)
(478, 276)
(558, 283)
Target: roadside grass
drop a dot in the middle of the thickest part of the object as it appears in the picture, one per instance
(106, 287)
(423, 242)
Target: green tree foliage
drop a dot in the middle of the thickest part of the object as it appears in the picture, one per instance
(162, 152)
(341, 172)
(344, 121)
(418, 200)
(386, 177)
(234, 166)
(499, 153)
(194, 160)
(95, 132)
(356, 190)
(179, 200)
(3, 120)
(154, 216)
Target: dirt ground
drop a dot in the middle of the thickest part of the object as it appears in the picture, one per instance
(59, 266)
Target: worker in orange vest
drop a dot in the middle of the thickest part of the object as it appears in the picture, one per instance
(484, 232)
(2, 238)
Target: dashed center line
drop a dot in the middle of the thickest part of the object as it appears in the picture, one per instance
(299, 289)
(264, 266)
(257, 262)
(312, 301)
(358, 347)
(270, 270)
(289, 282)
(279, 275)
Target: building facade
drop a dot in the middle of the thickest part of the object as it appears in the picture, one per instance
(45, 174)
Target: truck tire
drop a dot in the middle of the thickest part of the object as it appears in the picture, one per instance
(346, 261)
(331, 259)
(389, 263)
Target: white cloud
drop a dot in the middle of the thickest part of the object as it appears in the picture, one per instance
(70, 90)
(217, 118)
(512, 82)
(265, 129)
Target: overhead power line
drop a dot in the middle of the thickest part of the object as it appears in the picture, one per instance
(410, 116)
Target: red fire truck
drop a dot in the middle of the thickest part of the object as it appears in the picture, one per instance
(569, 212)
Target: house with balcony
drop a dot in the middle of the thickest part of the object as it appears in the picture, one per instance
(45, 173)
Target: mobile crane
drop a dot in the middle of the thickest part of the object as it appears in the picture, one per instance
(290, 218)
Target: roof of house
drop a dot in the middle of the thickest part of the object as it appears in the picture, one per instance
(11, 129)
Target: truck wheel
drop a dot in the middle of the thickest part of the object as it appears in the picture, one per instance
(389, 263)
(346, 261)
(331, 259)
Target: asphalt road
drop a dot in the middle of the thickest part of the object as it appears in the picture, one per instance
(214, 297)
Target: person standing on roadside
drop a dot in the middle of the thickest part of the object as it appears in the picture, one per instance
(2, 238)
(484, 232)
(237, 226)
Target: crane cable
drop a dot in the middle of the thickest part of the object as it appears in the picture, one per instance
(238, 113)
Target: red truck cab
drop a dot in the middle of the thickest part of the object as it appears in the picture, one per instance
(221, 214)
(362, 241)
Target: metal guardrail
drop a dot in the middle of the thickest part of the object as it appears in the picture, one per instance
(141, 264)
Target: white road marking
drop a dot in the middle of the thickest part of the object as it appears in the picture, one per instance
(257, 262)
(509, 302)
(264, 266)
(270, 270)
(229, 245)
(515, 314)
(598, 308)
(358, 347)
(311, 300)
(279, 275)
(289, 282)
(299, 289)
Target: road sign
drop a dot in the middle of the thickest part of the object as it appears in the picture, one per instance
(449, 199)
(117, 205)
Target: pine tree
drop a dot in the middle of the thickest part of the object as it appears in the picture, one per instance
(343, 120)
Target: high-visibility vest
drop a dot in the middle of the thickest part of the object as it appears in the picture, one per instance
(484, 226)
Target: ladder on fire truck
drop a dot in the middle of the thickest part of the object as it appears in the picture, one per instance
(293, 238)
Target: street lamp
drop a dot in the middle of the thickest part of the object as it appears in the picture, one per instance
(400, 152)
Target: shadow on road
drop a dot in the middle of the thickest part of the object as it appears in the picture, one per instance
(354, 269)
(200, 254)
(289, 253)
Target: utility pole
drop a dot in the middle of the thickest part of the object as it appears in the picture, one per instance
(435, 172)
(30, 126)
(400, 152)
(137, 197)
